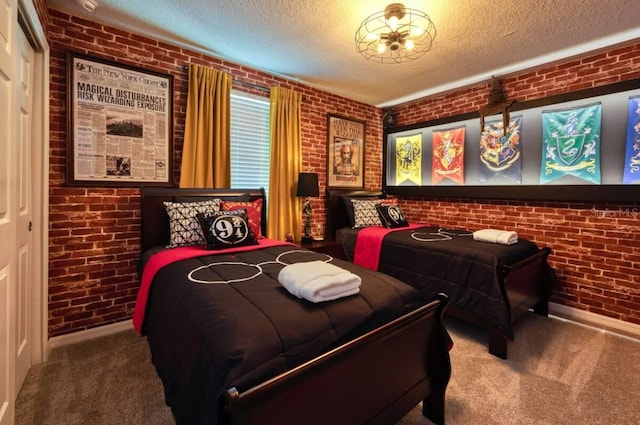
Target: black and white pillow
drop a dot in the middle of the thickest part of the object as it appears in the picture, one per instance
(184, 229)
(391, 216)
(226, 229)
(365, 213)
(348, 206)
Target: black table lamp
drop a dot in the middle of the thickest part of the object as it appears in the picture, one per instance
(307, 187)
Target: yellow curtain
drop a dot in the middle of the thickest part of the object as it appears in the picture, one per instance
(206, 153)
(284, 208)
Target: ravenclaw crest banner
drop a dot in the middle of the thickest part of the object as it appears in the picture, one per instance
(448, 155)
(409, 159)
(500, 153)
(571, 143)
(632, 155)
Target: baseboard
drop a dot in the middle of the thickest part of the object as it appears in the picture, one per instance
(576, 315)
(599, 321)
(88, 334)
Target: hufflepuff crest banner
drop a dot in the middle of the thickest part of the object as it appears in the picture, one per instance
(571, 143)
(500, 153)
(409, 159)
(448, 155)
(632, 151)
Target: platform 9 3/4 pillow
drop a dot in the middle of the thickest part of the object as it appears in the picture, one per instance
(226, 229)
(391, 216)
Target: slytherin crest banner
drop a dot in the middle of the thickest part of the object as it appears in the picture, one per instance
(448, 155)
(409, 159)
(632, 152)
(500, 153)
(571, 143)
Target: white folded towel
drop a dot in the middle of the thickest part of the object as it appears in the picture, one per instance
(318, 281)
(503, 237)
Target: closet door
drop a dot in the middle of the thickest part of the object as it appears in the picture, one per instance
(8, 210)
(24, 207)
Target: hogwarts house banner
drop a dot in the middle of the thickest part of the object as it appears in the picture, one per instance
(571, 143)
(632, 153)
(448, 155)
(409, 159)
(500, 154)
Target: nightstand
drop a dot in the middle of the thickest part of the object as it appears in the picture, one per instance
(327, 246)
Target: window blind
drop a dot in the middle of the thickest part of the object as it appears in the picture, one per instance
(250, 148)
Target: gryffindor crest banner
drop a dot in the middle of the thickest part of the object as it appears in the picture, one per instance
(448, 155)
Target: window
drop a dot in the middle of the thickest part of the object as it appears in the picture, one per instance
(250, 148)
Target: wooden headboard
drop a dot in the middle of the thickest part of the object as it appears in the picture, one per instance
(155, 221)
(336, 212)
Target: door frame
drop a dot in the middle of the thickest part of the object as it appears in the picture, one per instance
(29, 21)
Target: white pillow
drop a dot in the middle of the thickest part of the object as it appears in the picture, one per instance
(184, 228)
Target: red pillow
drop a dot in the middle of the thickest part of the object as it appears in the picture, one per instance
(389, 201)
(254, 212)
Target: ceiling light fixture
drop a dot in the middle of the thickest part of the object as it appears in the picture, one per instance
(397, 34)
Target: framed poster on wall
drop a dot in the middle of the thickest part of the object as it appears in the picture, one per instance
(345, 152)
(120, 124)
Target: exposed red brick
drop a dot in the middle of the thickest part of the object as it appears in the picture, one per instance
(594, 246)
(88, 225)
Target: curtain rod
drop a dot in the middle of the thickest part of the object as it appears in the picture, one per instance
(252, 85)
(244, 83)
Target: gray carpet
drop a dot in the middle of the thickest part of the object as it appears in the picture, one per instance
(557, 373)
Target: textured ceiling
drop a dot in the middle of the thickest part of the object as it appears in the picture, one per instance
(312, 41)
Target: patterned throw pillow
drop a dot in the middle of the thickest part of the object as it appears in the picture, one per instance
(365, 213)
(254, 212)
(226, 229)
(391, 216)
(348, 206)
(184, 229)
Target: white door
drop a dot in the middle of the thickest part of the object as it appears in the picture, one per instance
(24, 204)
(8, 219)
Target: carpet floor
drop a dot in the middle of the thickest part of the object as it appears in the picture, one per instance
(558, 372)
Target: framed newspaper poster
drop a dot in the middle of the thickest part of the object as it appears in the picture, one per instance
(120, 124)
(345, 152)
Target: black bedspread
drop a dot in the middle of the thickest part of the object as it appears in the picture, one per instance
(434, 260)
(206, 337)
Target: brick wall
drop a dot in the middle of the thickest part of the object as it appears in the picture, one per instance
(94, 238)
(94, 232)
(596, 247)
(43, 14)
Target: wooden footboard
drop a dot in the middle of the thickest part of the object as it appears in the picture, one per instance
(375, 379)
(526, 287)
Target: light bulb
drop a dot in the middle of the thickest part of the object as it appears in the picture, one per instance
(382, 48)
(409, 44)
(417, 31)
(393, 22)
(371, 37)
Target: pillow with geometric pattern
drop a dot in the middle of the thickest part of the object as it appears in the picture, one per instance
(226, 229)
(184, 229)
(365, 213)
(348, 205)
(391, 216)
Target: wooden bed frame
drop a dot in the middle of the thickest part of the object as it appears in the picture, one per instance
(374, 379)
(520, 281)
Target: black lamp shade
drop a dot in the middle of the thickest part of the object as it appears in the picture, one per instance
(308, 185)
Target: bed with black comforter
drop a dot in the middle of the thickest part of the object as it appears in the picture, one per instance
(232, 345)
(489, 284)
